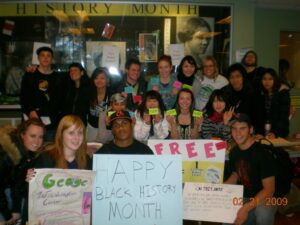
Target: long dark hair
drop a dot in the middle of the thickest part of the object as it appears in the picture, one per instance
(84, 79)
(180, 75)
(151, 95)
(276, 84)
(96, 72)
(221, 96)
(192, 106)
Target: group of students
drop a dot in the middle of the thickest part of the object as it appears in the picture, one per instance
(76, 109)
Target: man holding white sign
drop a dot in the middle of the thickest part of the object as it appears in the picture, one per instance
(251, 166)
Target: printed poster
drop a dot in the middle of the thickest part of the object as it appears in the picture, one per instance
(203, 160)
(60, 196)
(148, 43)
(137, 190)
(211, 202)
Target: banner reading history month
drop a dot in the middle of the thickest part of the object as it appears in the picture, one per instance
(60, 196)
(211, 202)
(137, 189)
(203, 160)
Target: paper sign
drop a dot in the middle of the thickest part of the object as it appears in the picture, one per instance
(155, 81)
(211, 202)
(177, 84)
(202, 161)
(109, 113)
(60, 196)
(135, 190)
(128, 89)
(131, 114)
(36, 46)
(153, 111)
(171, 112)
(197, 113)
(111, 57)
(176, 51)
(137, 98)
(187, 86)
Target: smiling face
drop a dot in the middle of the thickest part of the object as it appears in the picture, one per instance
(236, 80)
(188, 69)
(241, 133)
(164, 69)
(73, 138)
(218, 105)
(75, 73)
(33, 138)
(100, 81)
(133, 73)
(209, 69)
(268, 82)
(184, 101)
(45, 58)
(122, 130)
(151, 103)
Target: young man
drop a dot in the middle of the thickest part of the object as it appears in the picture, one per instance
(123, 142)
(133, 86)
(41, 92)
(253, 167)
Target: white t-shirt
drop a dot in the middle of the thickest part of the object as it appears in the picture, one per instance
(207, 87)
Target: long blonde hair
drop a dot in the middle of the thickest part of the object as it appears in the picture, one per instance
(57, 150)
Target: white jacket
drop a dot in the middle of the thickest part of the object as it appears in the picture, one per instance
(142, 130)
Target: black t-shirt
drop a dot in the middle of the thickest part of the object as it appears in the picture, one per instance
(252, 165)
(136, 148)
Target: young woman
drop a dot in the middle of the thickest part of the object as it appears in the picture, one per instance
(69, 148)
(78, 86)
(187, 73)
(163, 83)
(184, 125)
(99, 101)
(151, 126)
(275, 99)
(18, 151)
(210, 80)
(216, 118)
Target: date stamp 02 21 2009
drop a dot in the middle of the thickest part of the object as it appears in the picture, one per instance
(272, 201)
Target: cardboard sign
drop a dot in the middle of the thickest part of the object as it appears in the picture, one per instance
(203, 160)
(60, 196)
(211, 202)
(135, 190)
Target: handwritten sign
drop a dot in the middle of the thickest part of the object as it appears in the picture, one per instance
(171, 112)
(197, 113)
(129, 89)
(135, 190)
(203, 160)
(187, 86)
(155, 81)
(137, 98)
(177, 84)
(60, 196)
(211, 202)
(153, 111)
(111, 56)
(109, 113)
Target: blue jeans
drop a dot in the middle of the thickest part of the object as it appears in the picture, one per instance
(261, 215)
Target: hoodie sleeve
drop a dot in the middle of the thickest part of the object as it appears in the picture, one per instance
(141, 129)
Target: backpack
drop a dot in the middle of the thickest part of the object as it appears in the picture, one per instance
(283, 168)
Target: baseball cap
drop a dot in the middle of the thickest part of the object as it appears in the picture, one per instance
(119, 115)
(241, 117)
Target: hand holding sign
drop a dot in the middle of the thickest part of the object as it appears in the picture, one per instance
(128, 90)
(153, 111)
(171, 112)
(197, 113)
